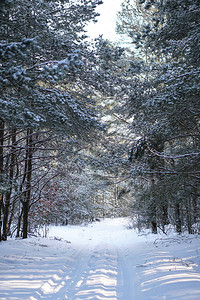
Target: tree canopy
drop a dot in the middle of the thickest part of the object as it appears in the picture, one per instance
(164, 102)
(58, 160)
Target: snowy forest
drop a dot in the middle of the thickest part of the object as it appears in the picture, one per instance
(92, 128)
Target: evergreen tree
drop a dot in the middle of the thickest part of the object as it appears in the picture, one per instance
(164, 102)
(41, 51)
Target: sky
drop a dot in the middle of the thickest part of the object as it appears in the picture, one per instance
(106, 21)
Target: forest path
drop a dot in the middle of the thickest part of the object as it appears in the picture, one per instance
(97, 268)
(100, 261)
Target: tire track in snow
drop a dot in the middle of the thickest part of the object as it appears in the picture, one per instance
(56, 286)
(92, 275)
(98, 272)
(125, 285)
(100, 278)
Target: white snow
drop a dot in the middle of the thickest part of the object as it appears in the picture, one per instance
(103, 260)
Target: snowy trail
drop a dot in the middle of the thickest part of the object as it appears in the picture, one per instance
(100, 261)
(86, 275)
(98, 271)
(98, 274)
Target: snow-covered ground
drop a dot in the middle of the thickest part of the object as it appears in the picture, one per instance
(104, 260)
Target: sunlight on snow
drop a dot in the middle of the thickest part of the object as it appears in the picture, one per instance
(174, 264)
(51, 287)
(104, 260)
(56, 277)
(100, 283)
(79, 283)
(104, 271)
(100, 293)
(18, 284)
(169, 279)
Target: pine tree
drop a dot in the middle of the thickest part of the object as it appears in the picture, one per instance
(41, 51)
(164, 102)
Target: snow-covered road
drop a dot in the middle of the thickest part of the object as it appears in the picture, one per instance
(97, 268)
(104, 260)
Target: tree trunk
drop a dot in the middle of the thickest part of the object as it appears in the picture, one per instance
(153, 213)
(9, 192)
(12, 212)
(19, 223)
(164, 218)
(189, 217)
(1, 170)
(5, 221)
(160, 163)
(178, 218)
(26, 200)
(25, 219)
(195, 208)
(154, 227)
